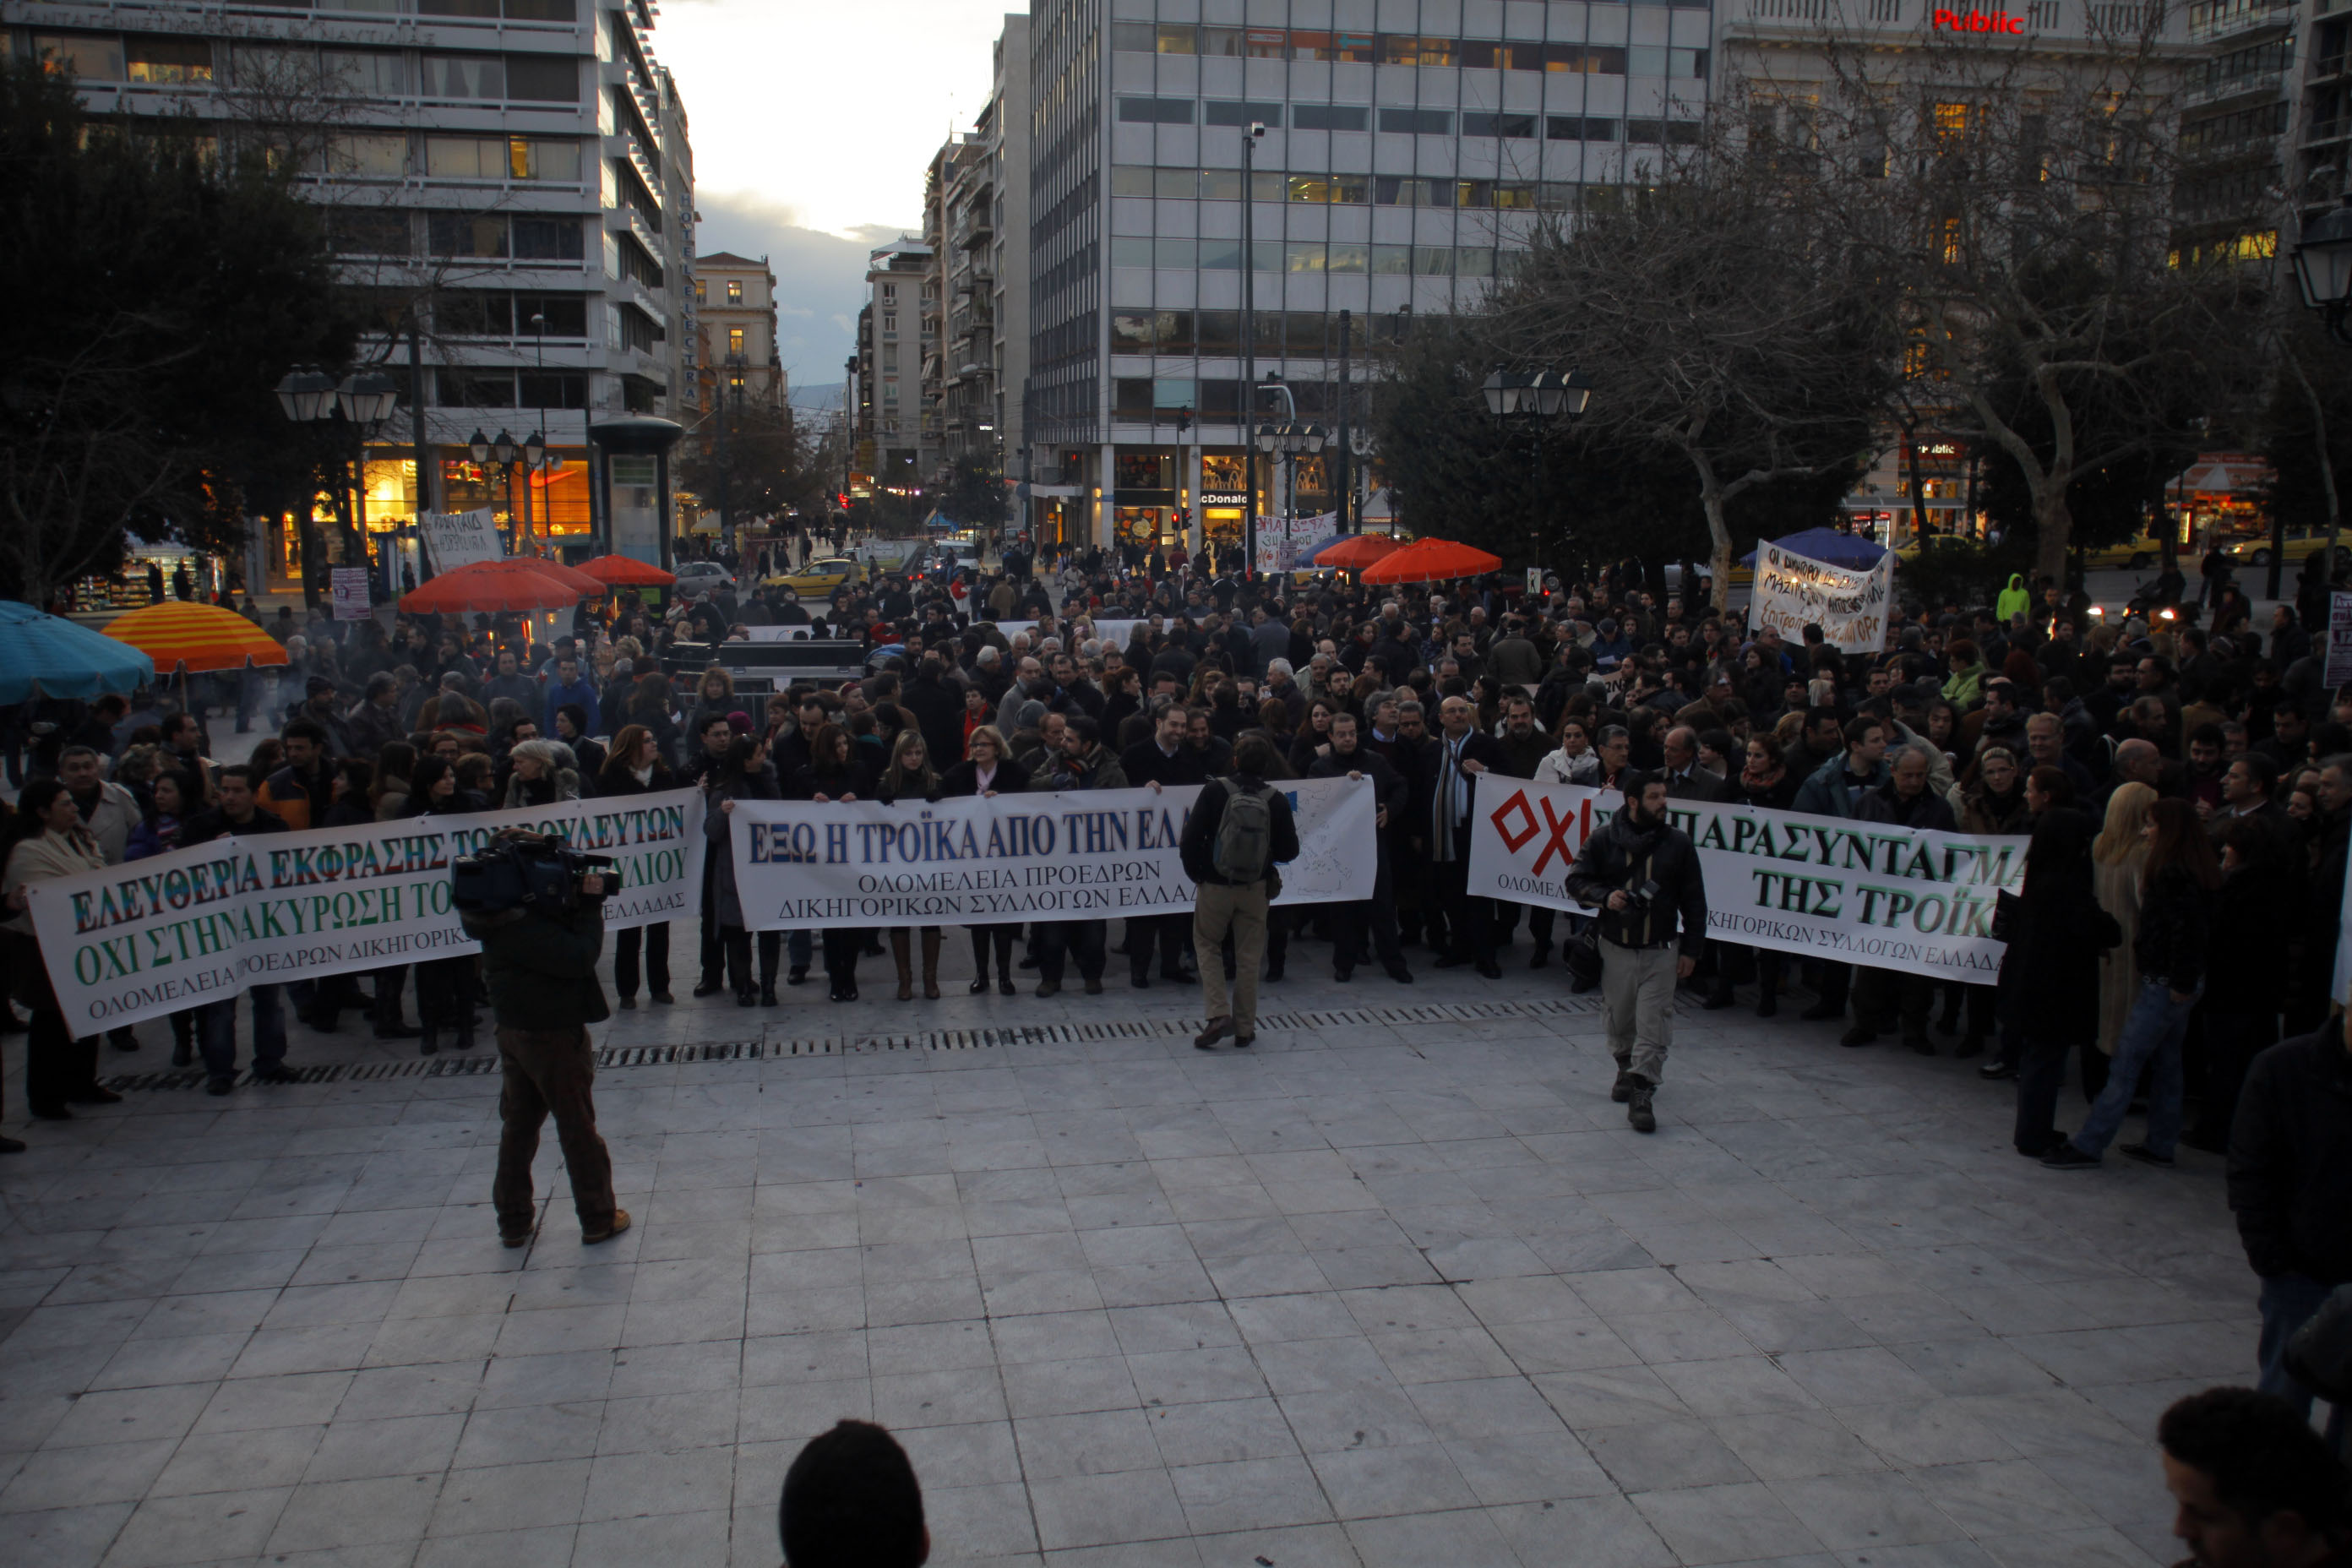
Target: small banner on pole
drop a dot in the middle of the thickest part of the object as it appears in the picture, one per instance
(1795, 591)
(350, 588)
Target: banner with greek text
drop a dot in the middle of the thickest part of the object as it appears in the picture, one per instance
(153, 936)
(1794, 591)
(978, 860)
(1857, 892)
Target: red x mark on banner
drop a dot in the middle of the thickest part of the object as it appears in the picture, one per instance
(1556, 839)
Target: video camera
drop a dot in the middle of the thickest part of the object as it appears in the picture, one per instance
(525, 871)
(1637, 899)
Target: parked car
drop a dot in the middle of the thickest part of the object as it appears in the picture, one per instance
(2301, 544)
(697, 576)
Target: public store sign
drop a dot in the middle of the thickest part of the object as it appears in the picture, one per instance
(978, 860)
(1943, 21)
(1855, 892)
(150, 937)
(1795, 591)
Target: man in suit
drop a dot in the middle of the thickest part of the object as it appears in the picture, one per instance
(1450, 768)
(1686, 779)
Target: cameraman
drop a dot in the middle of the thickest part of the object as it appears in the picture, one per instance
(540, 961)
(1642, 873)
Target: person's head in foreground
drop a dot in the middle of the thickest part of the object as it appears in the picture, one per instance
(851, 1501)
(2256, 1486)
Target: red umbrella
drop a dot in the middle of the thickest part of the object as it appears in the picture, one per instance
(1433, 560)
(514, 583)
(1358, 551)
(569, 576)
(626, 571)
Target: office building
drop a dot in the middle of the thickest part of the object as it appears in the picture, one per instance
(899, 317)
(1409, 149)
(983, 269)
(513, 176)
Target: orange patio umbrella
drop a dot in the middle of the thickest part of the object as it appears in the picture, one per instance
(625, 572)
(1358, 551)
(516, 583)
(197, 637)
(569, 576)
(1431, 561)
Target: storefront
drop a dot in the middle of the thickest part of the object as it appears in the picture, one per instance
(2218, 499)
(1144, 504)
(1224, 500)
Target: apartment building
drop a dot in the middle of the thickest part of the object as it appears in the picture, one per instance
(514, 176)
(735, 332)
(898, 317)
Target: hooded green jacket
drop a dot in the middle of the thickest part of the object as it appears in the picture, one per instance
(2014, 601)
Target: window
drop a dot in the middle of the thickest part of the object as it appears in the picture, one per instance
(1224, 41)
(383, 156)
(1175, 184)
(1130, 180)
(1303, 256)
(1129, 250)
(1643, 131)
(543, 78)
(1351, 190)
(1264, 43)
(1218, 333)
(88, 57)
(1433, 260)
(1682, 132)
(1473, 263)
(889, 290)
(734, 340)
(368, 231)
(735, 291)
(1685, 64)
(487, 9)
(1646, 60)
(1418, 121)
(889, 323)
(1170, 250)
(1516, 195)
(1348, 256)
(462, 76)
(1172, 332)
(1155, 110)
(1131, 37)
(1404, 49)
(1144, 38)
(482, 234)
(1326, 117)
(550, 389)
(1312, 188)
(630, 328)
(1951, 121)
(168, 61)
(1175, 39)
(366, 73)
(469, 314)
(1585, 60)
(889, 356)
(1130, 331)
(558, 239)
(534, 159)
(467, 157)
(1218, 111)
(1573, 128)
(1519, 57)
(1392, 260)
(466, 388)
(1473, 193)
(559, 315)
(1520, 126)
(1394, 191)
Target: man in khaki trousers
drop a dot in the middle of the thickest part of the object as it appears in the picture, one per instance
(1240, 829)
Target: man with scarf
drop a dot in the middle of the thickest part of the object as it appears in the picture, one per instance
(1643, 874)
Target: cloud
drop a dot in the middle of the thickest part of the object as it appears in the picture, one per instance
(820, 275)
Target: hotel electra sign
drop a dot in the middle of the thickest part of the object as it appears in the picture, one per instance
(1941, 20)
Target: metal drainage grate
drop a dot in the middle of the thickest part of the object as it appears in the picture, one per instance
(475, 1062)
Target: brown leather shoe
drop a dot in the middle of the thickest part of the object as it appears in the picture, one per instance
(620, 1223)
(1217, 1030)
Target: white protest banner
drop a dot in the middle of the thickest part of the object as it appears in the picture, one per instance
(980, 860)
(2338, 667)
(460, 538)
(1284, 543)
(1794, 591)
(1857, 892)
(194, 925)
(351, 588)
(1111, 634)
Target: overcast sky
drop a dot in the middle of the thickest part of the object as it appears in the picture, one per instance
(813, 122)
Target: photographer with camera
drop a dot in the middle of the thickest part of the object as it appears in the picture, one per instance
(537, 908)
(1643, 874)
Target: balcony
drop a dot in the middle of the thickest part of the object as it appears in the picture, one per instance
(2249, 84)
(2216, 20)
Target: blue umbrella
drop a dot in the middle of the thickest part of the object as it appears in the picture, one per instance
(1827, 545)
(61, 659)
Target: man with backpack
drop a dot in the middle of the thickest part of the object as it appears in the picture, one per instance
(1240, 830)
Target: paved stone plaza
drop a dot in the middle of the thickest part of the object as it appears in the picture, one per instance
(1397, 1286)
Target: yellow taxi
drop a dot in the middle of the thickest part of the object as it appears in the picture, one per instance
(2137, 554)
(818, 579)
(2301, 544)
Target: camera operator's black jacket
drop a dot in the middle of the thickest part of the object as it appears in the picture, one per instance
(542, 967)
(1621, 855)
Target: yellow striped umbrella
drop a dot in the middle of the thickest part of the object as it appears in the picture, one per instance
(198, 637)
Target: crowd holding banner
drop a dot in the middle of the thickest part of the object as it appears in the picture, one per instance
(148, 938)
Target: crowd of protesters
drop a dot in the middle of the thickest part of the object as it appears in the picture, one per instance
(2185, 799)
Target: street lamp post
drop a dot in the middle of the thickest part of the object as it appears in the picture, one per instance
(1532, 401)
(2323, 270)
(1250, 136)
(362, 401)
(1284, 443)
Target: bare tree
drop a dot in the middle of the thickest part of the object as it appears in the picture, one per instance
(1713, 323)
(2018, 207)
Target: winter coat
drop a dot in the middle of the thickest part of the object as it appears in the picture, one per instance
(2173, 930)
(111, 820)
(717, 832)
(1559, 767)
(543, 791)
(2050, 968)
(46, 855)
(1198, 845)
(2291, 1160)
(540, 967)
(1620, 855)
(1983, 811)
(1926, 810)
(1829, 792)
(2246, 949)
